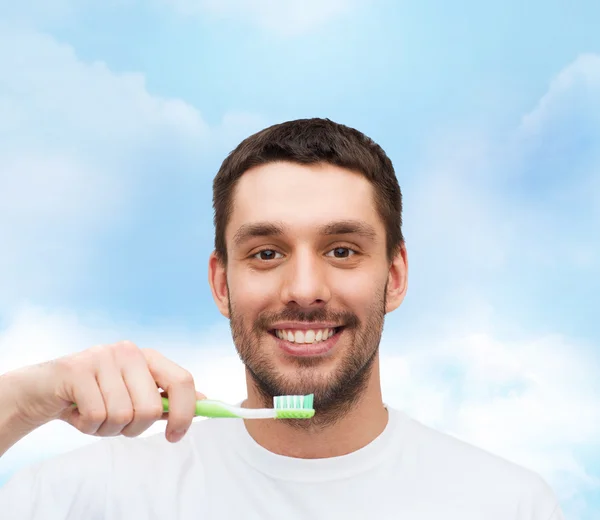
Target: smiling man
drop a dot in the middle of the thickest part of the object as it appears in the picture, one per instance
(306, 280)
(309, 258)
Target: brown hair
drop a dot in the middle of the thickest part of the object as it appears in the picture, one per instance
(311, 141)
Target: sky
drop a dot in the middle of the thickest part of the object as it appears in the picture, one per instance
(115, 116)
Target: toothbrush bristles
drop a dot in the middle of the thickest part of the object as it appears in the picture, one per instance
(293, 401)
(294, 406)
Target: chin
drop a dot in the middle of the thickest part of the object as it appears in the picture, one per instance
(307, 379)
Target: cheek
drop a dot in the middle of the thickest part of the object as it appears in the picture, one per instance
(253, 292)
(359, 290)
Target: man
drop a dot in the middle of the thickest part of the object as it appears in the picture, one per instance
(309, 258)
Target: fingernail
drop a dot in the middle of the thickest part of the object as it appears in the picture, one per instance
(176, 435)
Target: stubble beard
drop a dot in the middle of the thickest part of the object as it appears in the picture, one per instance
(336, 393)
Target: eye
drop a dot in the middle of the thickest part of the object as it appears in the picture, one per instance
(267, 254)
(341, 252)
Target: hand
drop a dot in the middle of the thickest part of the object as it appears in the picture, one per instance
(115, 387)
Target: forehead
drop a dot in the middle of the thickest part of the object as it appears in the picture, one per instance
(303, 197)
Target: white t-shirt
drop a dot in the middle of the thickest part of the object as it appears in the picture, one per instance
(410, 472)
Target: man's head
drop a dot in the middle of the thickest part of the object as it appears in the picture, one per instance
(309, 257)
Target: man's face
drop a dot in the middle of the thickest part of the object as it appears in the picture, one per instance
(306, 280)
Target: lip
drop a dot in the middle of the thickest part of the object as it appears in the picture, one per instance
(308, 349)
(290, 325)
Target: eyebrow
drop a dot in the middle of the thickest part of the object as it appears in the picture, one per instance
(275, 229)
(349, 227)
(258, 229)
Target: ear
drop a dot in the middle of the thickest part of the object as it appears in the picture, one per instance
(397, 280)
(217, 278)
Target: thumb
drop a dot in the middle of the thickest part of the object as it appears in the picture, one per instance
(199, 396)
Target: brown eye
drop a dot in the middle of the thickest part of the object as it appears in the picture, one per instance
(266, 254)
(342, 252)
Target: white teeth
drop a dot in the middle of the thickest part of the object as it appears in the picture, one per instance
(304, 336)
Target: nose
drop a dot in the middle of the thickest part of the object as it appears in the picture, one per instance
(305, 282)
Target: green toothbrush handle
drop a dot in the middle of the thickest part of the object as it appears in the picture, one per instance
(207, 408)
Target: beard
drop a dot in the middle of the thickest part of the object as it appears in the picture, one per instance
(336, 393)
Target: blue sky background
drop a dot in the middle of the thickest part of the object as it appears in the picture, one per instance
(114, 119)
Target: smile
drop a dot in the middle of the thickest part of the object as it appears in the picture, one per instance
(306, 336)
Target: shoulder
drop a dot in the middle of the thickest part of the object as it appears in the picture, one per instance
(69, 483)
(464, 468)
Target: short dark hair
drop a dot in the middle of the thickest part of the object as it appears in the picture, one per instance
(311, 141)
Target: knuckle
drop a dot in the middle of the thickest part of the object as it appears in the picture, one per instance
(125, 352)
(126, 348)
(150, 413)
(127, 345)
(149, 352)
(94, 416)
(121, 416)
(88, 359)
(156, 412)
(185, 378)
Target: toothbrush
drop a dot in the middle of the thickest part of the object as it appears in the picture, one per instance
(284, 407)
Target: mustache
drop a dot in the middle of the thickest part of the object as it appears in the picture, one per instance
(266, 320)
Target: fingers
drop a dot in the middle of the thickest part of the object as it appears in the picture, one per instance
(90, 413)
(115, 388)
(119, 408)
(178, 383)
(145, 398)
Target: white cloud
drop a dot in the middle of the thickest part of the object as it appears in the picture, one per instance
(68, 132)
(565, 127)
(481, 205)
(283, 17)
(572, 93)
(45, 81)
(559, 143)
(74, 139)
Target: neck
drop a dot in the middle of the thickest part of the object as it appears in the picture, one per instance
(362, 424)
